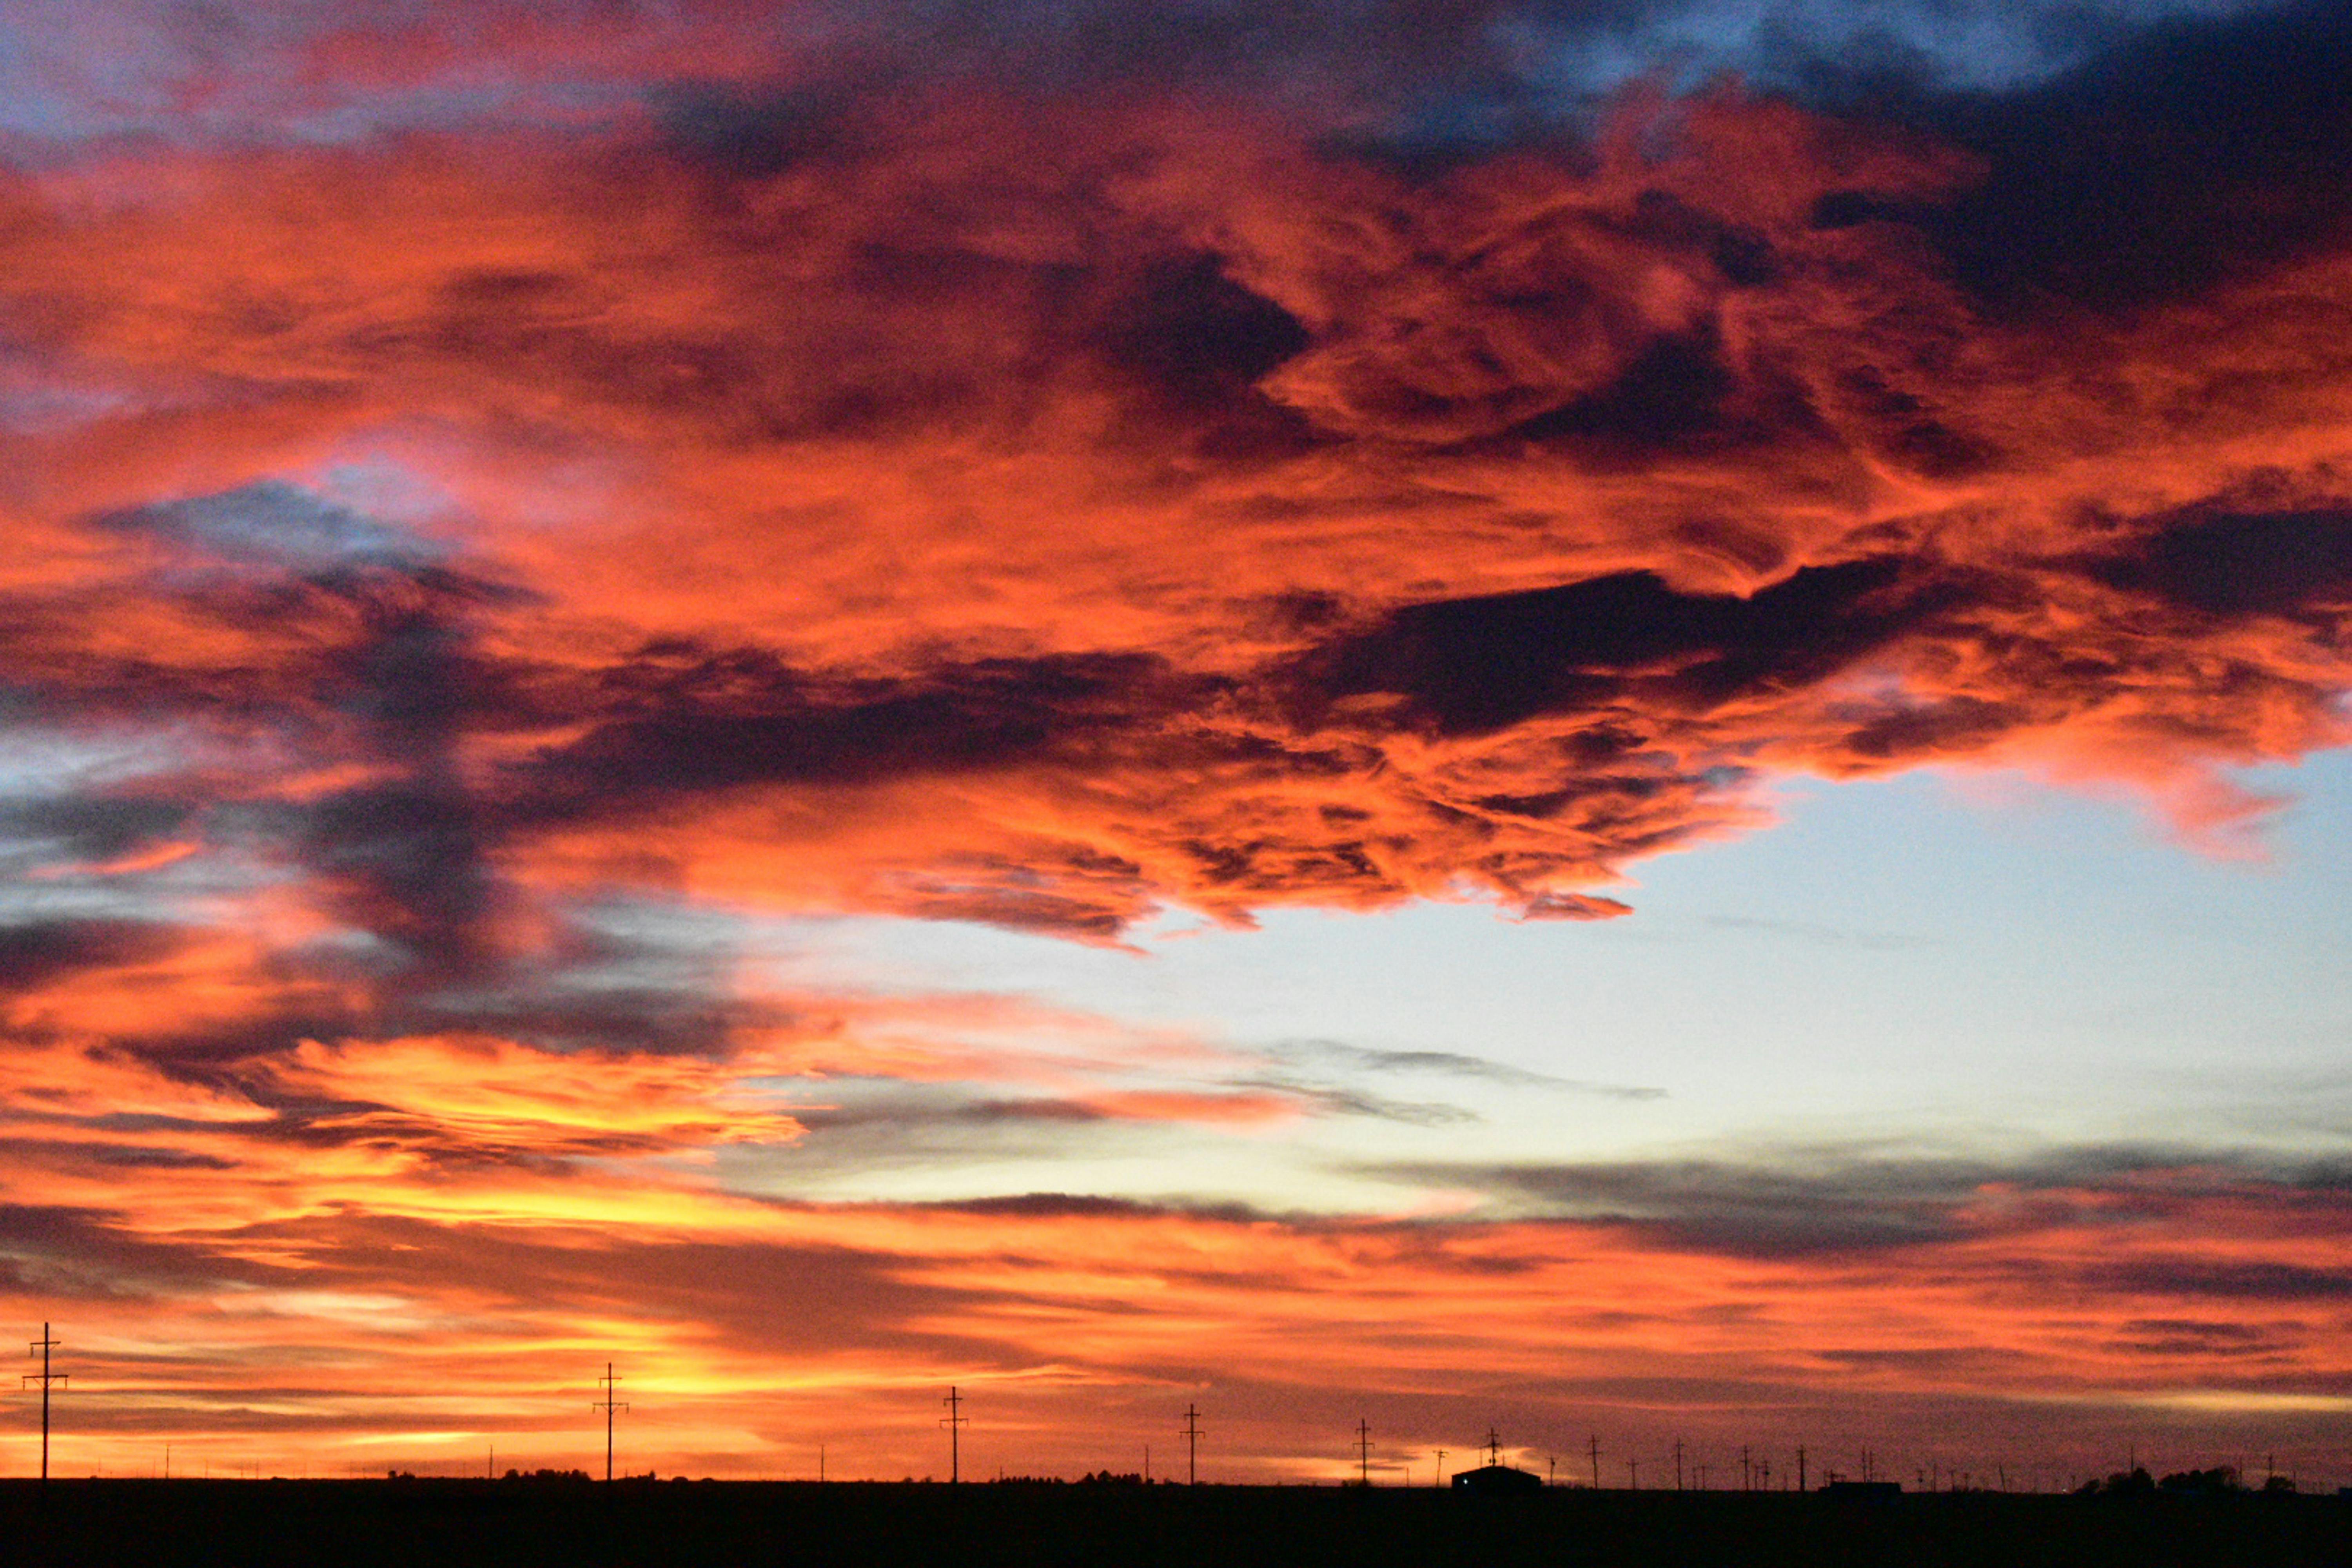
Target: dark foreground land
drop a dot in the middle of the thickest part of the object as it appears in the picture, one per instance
(455, 1524)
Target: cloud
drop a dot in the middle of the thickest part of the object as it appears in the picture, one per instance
(1692, 456)
(1449, 1064)
(1857, 1202)
(1043, 1300)
(523, 464)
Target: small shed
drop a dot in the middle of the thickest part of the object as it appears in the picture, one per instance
(1497, 1479)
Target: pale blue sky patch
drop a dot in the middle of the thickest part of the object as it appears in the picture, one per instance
(1900, 961)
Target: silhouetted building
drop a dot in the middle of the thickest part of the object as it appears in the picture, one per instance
(1864, 1490)
(1497, 1479)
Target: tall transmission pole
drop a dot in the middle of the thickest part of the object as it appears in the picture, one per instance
(608, 1406)
(1678, 1464)
(45, 1378)
(1493, 1450)
(1800, 1467)
(955, 1421)
(1592, 1446)
(1192, 1446)
(1363, 1453)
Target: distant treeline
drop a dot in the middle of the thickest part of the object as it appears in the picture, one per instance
(2138, 1482)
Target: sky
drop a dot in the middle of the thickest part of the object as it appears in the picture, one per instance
(1622, 721)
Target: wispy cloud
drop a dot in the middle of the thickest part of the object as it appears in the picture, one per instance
(1449, 1064)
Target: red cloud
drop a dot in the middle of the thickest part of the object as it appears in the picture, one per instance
(2085, 1307)
(1189, 516)
(1042, 510)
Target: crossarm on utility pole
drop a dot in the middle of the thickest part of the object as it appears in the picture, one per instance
(46, 1379)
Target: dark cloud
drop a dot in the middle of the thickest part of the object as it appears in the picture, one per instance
(1857, 1203)
(2197, 1337)
(94, 1253)
(274, 523)
(90, 827)
(2164, 166)
(35, 953)
(1749, 1210)
(749, 132)
(1478, 665)
(1448, 1064)
(687, 720)
(2223, 1280)
(1064, 1206)
(2243, 563)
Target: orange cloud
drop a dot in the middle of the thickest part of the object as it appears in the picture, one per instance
(1045, 508)
(496, 1093)
(2081, 1307)
(1473, 535)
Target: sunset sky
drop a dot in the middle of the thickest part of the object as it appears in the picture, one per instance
(1621, 718)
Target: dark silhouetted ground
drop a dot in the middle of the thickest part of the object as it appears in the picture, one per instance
(453, 1524)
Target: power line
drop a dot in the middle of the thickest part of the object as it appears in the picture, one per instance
(955, 1421)
(44, 1378)
(607, 1406)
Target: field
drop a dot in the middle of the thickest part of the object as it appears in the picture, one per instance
(451, 1523)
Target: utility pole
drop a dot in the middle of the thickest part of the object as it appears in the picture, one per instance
(1551, 1469)
(1800, 1467)
(607, 1406)
(1633, 1474)
(955, 1421)
(1493, 1450)
(1192, 1446)
(1441, 1467)
(1592, 1446)
(1678, 1464)
(1363, 1453)
(45, 1378)
(1747, 1471)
